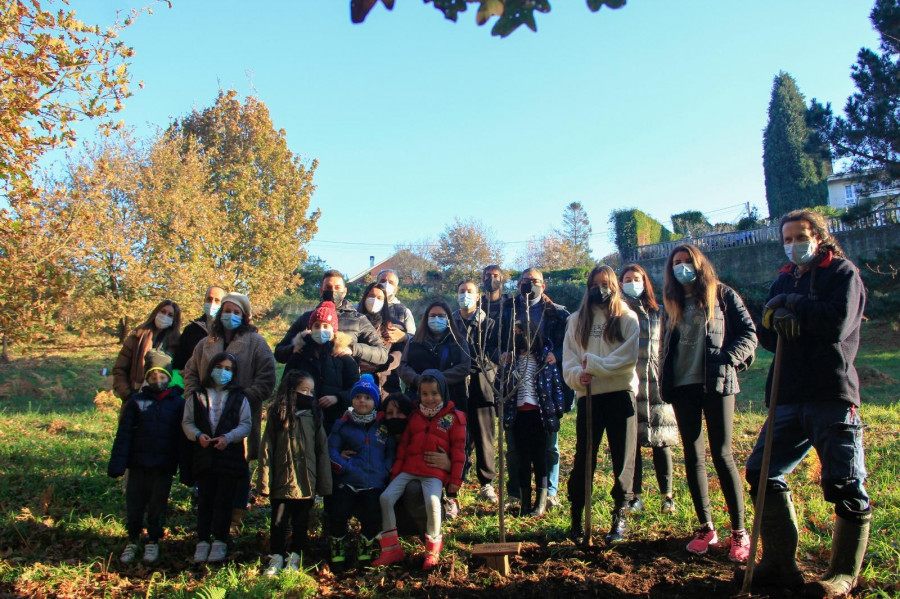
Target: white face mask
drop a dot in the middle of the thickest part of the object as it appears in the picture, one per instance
(633, 288)
(389, 290)
(374, 305)
(801, 252)
(467, 301)
(162, 321)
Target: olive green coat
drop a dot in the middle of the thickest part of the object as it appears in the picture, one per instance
(294, 466)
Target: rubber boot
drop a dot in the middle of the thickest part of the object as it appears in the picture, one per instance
(848, 547)
(525, 508)
(779, 535)
(540, 505)
(338, 554)
(576, 531)
(391, 551)
(432, 552)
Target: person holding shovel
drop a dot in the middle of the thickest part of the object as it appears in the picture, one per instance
(600, 353)
(815, 306)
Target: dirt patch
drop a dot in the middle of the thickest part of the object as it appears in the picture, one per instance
(872, 377)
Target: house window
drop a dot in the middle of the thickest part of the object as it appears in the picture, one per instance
(850, 202)
(848, 192)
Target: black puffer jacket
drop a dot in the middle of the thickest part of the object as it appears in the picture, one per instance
(149, 433)
(444, 354)
(829, 303)
(366, 344)
(333, 375)
(730, 346)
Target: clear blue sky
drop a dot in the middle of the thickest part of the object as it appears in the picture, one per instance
(415, 120)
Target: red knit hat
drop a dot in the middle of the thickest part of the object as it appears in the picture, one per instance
(325, 312)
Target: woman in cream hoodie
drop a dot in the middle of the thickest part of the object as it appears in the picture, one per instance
(600, 353)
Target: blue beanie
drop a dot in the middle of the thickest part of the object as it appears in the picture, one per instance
(366, 385)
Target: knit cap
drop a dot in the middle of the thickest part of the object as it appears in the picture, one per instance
(242, 301)
(325, 312)
(157, 360)
(366, 385)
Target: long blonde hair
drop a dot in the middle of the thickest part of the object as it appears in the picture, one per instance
(706, 285)
(584, 320)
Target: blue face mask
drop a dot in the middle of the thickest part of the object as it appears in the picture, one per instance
(321, 336)
(437, 324)
(232, 321)
(221, 376)
(684, 273)
(800, 252)
(211, 309)
(633, 288)
(467, 301)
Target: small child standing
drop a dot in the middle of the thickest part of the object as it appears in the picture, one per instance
(362, 454)
(532, 412)
(435, 426)
(217, 419)
(293, 466)
(149, 444)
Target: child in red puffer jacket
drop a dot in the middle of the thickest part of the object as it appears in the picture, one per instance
(435, 426)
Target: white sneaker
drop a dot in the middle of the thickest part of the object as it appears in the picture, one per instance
(218, 551)
(276, 563)
(487, 493)
(293, 562)
(151, 552)
(201, 552)
(129, 553)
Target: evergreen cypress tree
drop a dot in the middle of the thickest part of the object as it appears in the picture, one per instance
(795, 177)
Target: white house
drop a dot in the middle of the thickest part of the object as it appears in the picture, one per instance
(846, 190)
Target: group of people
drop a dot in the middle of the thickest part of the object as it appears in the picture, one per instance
(380, 416)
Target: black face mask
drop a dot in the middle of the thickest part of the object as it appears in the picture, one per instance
(158, 387)
(395, 426)
(526, 289)
(600, 295)
(490, 285)
(521, 342)
(303, 401)
(337, 297)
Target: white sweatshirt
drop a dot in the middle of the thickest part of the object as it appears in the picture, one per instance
(612, 364)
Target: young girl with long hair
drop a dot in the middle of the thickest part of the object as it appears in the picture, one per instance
(709, 336)
(600, 353)
(293, 466)
(657, 428)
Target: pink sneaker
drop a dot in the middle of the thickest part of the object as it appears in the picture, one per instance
(740, 546)
(706, 536)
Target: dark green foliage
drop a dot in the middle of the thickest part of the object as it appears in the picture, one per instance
(794, 177)
(869, 133)
(881, 274)
(691, 222)
(633, 228)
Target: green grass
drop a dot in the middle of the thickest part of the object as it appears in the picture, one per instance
(61, 517)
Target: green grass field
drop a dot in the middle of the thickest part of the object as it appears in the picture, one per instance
(62, 518)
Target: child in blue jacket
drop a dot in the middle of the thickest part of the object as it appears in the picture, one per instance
(150, 444)
(362, 454)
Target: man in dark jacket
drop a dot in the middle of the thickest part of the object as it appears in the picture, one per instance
(815, 306)
(366, 343)
(198, 329)
(533, 306)
(493, 297)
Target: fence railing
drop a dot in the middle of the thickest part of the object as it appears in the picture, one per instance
(878, 218)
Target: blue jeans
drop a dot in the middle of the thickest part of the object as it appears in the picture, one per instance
(834, 429)
(512, 465)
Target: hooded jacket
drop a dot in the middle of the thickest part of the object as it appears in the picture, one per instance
(730, 345)
(149, 433)
(333, 375)
(371, 466)
(444, 432)
(829, 303)
(294, 464)
(365, 342)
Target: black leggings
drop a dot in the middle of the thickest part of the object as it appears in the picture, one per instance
(289, 515)
(662, 465)
(531, 449)
(215, 498)
(691, 405)
(615, 413)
